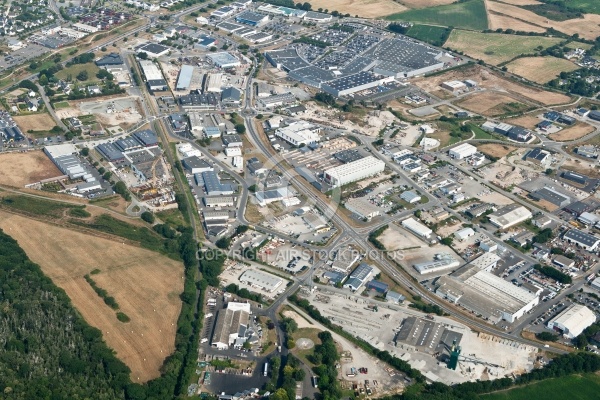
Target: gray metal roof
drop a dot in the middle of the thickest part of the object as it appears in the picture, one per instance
(580, 237)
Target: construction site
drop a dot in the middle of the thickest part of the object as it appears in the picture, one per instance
(122, 112)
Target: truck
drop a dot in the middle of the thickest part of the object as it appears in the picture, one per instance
(266, 369)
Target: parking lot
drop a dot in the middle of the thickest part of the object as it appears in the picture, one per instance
(20, 56)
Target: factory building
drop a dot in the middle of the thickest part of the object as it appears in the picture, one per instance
(353, 83)
(573, 178)
(486, 294)
(410, 197)
(551, 196)
(252, 18)
(220, 201)
(584, 240)
(572, 321)
(440, 262)
(317, 17)
(353, 171)
(184, 79)
(64, 157)
(595, 115)
(224, 60)
(486, 261)
(111, 153)
(358, 277)
(231, 96)
(111, 62)
(509, 215)
(394, 297)
(231, 325)
(212, 184)
(196, 165)
(462, 151)
(153, 50)
(256, 278)
(214, 83)
(538, 156)
(154, 77)
(453, 86)
(404, 58)
(146, 138)
(362, 208)
(299, 133)
(277, 100)
(464, 233)
(417, 228)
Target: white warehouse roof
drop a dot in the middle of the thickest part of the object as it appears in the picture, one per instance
(462, 151)
(573, 320)
(261, 279)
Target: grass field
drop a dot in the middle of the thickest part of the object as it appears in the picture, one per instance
(61, 104)
(590, 6)
(436, 35)
(492, 104)
(19, 169)
(35, 206)
(145, 284)
(496, 48)
(540, 69)
(467, 15)
(35, 122)
(70, 73)
(573, 387)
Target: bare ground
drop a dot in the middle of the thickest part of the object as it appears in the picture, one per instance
(20, 169)
(577, 131)
(500, 21)
(495, 150)
(425, 3)
(526, 121)
(34, 122)
(541, 69)
(152, 302)
(487, 103)
(363, 8)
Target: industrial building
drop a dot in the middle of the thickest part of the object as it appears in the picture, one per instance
(551, 196)
(464, 233)
(251, 18)
(354, 83)
(394, 297)
(212, 184)
(299, 133)
(362, 208)
(112, 61)
(146, 138)
(509, 215)
(572, 321)
(358, 277)
(65, 158)
(153, 50)
(417, 228)
(595, 115)
(214, 83)
(256, 278)
(582, 239)
(154, 77)
(462, 151)
(573, 178)
(277, 100)
(486, 261)
(378, 286)
(318, 17)
(538, 156)
(219, 201)
(224, 60)
(410, 197)
(353, 171)
(231, 97)
(270, 196)
(486, 294)
(440, 262)
(426, 336)
(453, 86)
(404, 58)
(196, 165)
(231, 325)
(232, 140)
(184, 79)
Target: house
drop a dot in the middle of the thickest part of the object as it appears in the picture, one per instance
(94, 90)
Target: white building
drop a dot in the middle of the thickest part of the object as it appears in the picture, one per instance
(299, 133)
(582, 239)
(231, 322)
(462, 151)
(509, 215)
(353, 171)
(440, 262)
(86, 28)
(410, 197)
(464, 233)
(233, 151)
(262, 280)
(214, 83)
(417, 228)
(573, 321)
(362, 207)
(486, 261)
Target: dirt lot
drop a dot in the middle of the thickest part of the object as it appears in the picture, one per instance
(491, 104)
(34, 122)
(499, 21)
(19, 169)
(363, 8)
(540, 69)
(396, 238)
(425, 3)
(126, 111)
(582, 167)
(153, 305)
(577, 131)
(526, 121)
(487, 79)
(587, 27)
(494, 150)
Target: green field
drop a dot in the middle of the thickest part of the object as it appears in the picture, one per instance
(467, 15)
(587, 6)
(70, 73)
(60, 104)
(496, 48)
(436, 35)
(572, 387)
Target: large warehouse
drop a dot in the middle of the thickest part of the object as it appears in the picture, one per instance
(231, 325)
(354, 83)
(572, 321)
(417, 228)
(509, 215)
(353, 171)
(153, 75)
(462, 151)
(584, 240)
(224, 60)
(403, 58)
(299, 133)
(266, 282)
(486, 294)
(358, 277)
(185, 77)
(440, 262)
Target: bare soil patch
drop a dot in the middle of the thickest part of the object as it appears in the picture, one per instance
(425, 3)
(501, 21)
(490, 104)
(34, 122)
(362, 8)
(577, 131)
(582, 167)
(526, 121)
(151, 302)
(19, 169)
(495, 150)
(489, 80)
(540, 69)
(520, 2)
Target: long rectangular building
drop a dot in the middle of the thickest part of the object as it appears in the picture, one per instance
(353, 171)
(256, 278)
(510, 215)
(299, 133)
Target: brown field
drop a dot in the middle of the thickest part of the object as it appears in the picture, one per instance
(520, 2)
(19, 169)
(504, 22)
(488, 103)
(152, 303)
(35, 122)
(577, 131)
(540, 69)
(495, 150)
(583, 167)
(489, 80)
(526, 121)
(363, 8)
(425, 3)
(587, 27)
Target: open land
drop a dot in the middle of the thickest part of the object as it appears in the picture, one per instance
(540, 69)
(35, 122)
(521, 2)
(20, 169)
(117, 111)
(468, 15)
(491, 104)
(364, 8)
(496, 48)
(489, 80)
(500, 21)
(577, 131)
(396, 238)
(71, 72)
(153, 306)
(587, 27)
(425, 3)
(526, 121)
(580, 387)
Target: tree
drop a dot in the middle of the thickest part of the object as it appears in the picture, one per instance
(279, 394)
(546, 336)
(85, 152)
(143, 55)
(240, 128)
(223, 243)
(82, 76)
(27, 84)
(148, 217)
(106, 176)
(447, 241)
(43, 80)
